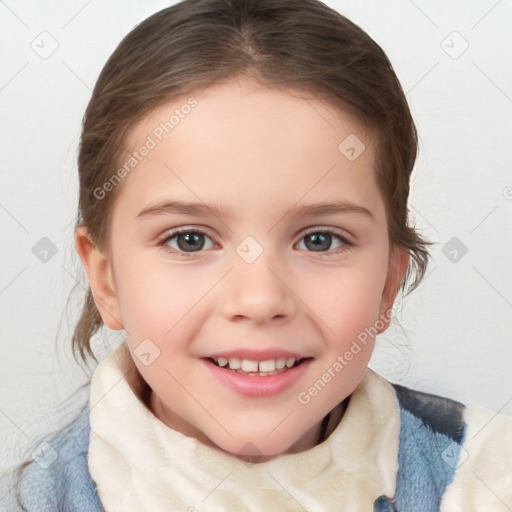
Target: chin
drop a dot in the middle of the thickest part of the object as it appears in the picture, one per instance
(256, 448)
(256, 451)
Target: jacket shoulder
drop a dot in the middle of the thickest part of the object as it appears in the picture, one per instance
(483, 478)
(442, 415)
(432, 430)
(58, 478)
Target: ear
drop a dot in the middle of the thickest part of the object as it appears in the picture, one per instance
(398, 263)
(101, 278)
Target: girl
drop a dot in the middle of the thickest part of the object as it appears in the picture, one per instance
(244, 176)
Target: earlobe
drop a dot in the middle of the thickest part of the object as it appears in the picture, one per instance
(398, 263)
(101, 279)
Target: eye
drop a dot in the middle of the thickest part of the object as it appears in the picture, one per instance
(185, 240)
(319, 240)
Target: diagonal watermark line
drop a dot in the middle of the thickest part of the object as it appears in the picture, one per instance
(111, 315)
(422, 78)
(492, 81)
(13, 13)
(76, 14)
(18, 482)
(484, 218)
(299, 200)
(213, 213)
(285, 490)
(72, 482)
(204, 295)
(216, 487)
(13, 279)
(280, 423)
(298, 298)
(491, 286)
(485, 15)
(67, 225)
(199, 403)
(11, 421)
(124, 377)
(8, 492)
(427, 276)
(214, 80)
(311, 105)
(495, 415)
(14, 76)
(424, 14)
(298, 93)
(76, 75)
(307, 101)
(425, 219)
(73, 277)
(14, 218)
(491, 490)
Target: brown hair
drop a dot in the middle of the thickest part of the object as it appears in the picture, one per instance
(290, 44)
(196, 43)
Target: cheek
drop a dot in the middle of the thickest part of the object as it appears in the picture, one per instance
(149, 297)
(347, 300)
(156, 296)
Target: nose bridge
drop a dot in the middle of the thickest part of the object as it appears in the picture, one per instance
(256, 288)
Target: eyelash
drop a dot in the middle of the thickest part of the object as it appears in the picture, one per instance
(170, 235)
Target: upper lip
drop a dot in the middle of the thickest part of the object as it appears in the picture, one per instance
(256, 355)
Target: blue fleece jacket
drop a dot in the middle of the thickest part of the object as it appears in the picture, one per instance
(432, 433)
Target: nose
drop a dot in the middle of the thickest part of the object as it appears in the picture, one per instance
(259, 292)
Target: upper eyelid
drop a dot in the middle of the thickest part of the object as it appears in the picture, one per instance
(170, 233)
(341, 233)
(337, 231)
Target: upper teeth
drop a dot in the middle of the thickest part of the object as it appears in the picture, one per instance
(248, 365)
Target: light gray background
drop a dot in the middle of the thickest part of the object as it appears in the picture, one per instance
(456, 337)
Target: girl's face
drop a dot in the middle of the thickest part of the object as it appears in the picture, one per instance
(261, 271)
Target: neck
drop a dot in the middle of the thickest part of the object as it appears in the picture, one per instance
(317, 434)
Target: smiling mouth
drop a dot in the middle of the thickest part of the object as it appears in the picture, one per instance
(257, 368)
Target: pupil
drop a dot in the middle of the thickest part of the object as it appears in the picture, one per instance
(192, 240)
(319, 241)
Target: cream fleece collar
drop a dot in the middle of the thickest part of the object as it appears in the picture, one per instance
(140, 464)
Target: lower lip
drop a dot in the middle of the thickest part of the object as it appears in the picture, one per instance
(258, 386)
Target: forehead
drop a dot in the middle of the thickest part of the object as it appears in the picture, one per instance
(243, 107)
(242, 143)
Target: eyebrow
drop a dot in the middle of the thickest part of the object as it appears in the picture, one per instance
(203, 209)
